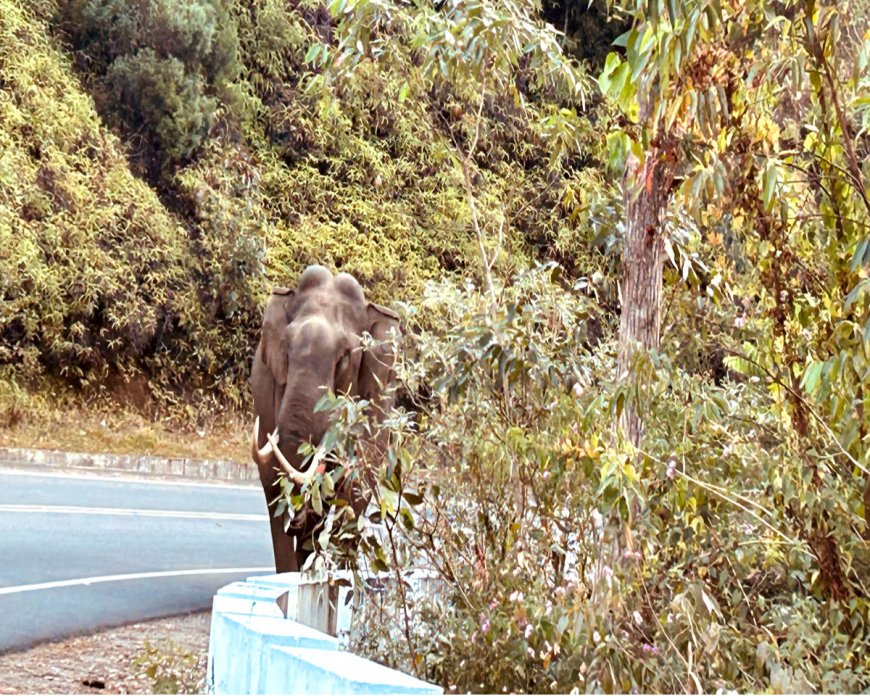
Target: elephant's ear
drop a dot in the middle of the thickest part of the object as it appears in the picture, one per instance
(273, 343)
(377, 362)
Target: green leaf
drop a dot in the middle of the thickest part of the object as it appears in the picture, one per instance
(412, 498)
(611, 64)
(639, 66)
(407, 518)
(858, 292)
(622, 89)
(711, 16)
(389, 500)
(769, 184)
(812, 374)
(621, 40)
(742, 366)
(327, 486)
(316, 502)
(861, 256)
(325, 402)
(618, 146)
(647, 42)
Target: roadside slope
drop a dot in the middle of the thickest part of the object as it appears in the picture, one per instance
(97, 279)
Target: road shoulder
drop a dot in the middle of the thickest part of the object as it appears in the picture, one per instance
(106, 662)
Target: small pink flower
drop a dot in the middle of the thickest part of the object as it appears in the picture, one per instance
(672, 468)
(528, 632)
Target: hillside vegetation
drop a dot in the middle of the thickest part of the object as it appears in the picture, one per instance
(165, 163)
(630, 243)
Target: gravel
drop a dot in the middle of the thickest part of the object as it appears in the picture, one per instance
(103, 663)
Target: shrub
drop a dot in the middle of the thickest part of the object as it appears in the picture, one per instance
(162, 65)
(509, 483)
(171, 669)
(156, 95)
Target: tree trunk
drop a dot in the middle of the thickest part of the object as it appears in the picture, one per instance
(646, 190)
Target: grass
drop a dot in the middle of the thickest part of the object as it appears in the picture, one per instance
(57, 418)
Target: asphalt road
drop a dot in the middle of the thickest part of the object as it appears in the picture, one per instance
(65, 540)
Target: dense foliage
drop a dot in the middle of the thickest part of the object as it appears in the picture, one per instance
(748, 561)
(730, 549)
(163, 162)
(238, 166)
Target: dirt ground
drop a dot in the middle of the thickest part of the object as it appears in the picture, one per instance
(106, 662)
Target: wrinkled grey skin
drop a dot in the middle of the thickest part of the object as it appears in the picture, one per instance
(310, 342)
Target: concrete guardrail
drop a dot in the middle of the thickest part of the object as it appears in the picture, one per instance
(282, 634)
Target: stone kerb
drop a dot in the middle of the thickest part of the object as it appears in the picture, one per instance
(215, 470)
(260, 645)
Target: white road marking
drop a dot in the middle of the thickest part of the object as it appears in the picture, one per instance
(126, 512)
(131, 576)
(101, 475)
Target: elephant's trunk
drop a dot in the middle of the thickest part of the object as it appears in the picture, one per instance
(297, 421)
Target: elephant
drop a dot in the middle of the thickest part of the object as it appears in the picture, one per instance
(310, 342)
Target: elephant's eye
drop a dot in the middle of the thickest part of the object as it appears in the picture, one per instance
(343, 362)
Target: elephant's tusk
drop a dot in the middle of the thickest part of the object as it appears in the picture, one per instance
(261, 455)
(295, 475)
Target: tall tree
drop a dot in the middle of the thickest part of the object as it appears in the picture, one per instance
(648, 86)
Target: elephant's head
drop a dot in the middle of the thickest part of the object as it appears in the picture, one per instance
(311, 342)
